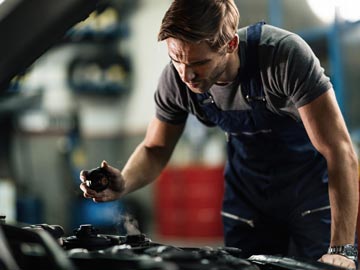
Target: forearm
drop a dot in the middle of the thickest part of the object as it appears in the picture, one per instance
(144, 166)
(152, 155)
(327, 130)
(343, 193)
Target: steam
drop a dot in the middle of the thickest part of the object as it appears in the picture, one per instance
(130, 224)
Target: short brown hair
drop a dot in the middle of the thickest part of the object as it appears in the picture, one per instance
(213, 21)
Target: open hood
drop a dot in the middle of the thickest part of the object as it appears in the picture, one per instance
(29, 27)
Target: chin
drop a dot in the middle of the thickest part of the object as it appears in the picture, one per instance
(198, 90)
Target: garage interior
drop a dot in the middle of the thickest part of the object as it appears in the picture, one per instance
(88, 97)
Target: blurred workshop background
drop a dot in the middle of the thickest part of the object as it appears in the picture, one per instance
(89, 98)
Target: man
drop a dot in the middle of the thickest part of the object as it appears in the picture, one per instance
(290, 157)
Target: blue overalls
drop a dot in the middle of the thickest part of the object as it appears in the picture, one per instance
(276, 189)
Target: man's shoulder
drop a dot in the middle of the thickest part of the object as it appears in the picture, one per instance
(170, 84)
(170, 76)
(270, 35)
(273, 36)
(168, 71)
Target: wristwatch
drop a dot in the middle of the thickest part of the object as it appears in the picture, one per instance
(349, 251)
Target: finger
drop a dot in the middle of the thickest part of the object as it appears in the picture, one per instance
(102, 196)
(83, 187)
(83, 175)
(87, 196)
(110, 169)
(104, 164)
(100, 199)
(345, 264)
(338, 260)
(348, 264)
(87, 191)
(97, 200)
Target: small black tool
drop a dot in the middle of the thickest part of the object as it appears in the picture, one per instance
(97, 179)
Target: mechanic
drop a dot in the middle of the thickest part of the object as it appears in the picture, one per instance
(291, 177)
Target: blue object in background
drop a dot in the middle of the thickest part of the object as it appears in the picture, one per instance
(106, 216)
(29, 209)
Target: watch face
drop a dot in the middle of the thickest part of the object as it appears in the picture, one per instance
(350, 250)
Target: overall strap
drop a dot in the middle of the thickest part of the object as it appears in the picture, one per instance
(255, 89)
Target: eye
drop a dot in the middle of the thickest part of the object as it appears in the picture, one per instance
(175, 62)
(202, 63)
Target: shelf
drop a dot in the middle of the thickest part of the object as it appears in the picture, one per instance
(87, 34)
(12, 103)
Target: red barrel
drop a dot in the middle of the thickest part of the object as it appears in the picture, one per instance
(188, 202)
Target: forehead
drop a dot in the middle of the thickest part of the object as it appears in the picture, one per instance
(182, 50)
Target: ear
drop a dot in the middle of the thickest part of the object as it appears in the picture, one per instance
(233, 44)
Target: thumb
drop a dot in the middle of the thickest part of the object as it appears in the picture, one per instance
(104, 164)
(109, 168)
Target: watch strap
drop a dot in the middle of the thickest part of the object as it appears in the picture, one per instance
(348, 251)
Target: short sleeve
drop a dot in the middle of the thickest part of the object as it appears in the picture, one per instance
(300, 73)
(168, 98)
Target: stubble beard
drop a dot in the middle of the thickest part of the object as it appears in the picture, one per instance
(205, 85)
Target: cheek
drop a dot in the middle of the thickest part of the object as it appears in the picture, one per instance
(204, 72)
(214, 70)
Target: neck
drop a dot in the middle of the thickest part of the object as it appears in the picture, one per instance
(231, 69)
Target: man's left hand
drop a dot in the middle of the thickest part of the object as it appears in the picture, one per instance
(338, 260)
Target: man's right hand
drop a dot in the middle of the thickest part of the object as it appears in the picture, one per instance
(114, 190)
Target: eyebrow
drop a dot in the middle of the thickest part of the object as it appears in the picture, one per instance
(193, 63)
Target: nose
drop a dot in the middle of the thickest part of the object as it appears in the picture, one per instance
(187, 74)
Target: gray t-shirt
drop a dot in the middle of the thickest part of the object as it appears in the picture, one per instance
(290, 73)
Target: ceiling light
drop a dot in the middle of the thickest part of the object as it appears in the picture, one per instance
(325, 9)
